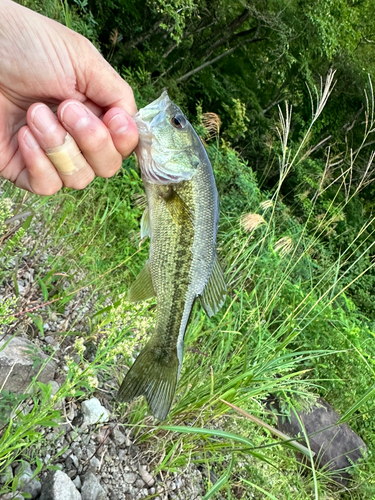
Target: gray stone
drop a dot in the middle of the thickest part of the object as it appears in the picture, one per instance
(139, 483)
(7, 475)
(77, 483)
(94, 463)
(94, 412)
(17, 358)
(28, 484)
(72, 462)
(12, 496)
(118, 437)
(58, 486)
(54, 387)
(91, 489)
(130, 477)
(336, 447)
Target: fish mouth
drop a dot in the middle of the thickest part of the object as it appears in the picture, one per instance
(149, 114)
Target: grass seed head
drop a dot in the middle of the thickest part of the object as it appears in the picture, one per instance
(284, 246)
(266, 204)
(212, 123)
(251, 221)
(114, 36)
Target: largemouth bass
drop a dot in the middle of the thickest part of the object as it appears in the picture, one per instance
(181, 219)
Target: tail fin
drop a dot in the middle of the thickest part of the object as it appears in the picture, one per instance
(155, 377)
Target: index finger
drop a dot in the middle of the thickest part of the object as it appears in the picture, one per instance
(109, 90)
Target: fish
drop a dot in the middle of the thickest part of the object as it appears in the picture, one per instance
(181, 218)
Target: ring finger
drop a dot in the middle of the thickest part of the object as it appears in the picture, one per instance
(59, 146)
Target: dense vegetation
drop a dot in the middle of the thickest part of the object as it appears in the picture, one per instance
(290, 85)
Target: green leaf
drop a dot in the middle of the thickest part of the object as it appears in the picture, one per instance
(53, 467)
(44, 289)
(38, 321)
(207, 432)
(221, 482)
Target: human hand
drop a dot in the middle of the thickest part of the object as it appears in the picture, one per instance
(45, 67)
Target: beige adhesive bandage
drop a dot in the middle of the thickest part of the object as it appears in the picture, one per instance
(67, 158)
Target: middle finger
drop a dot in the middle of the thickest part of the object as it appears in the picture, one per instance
(92, 136)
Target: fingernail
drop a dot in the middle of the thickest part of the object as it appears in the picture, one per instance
(118, 124)
(43, 119)
(74, 116)
(30, 140)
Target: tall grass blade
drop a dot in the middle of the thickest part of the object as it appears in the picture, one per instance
(221, 482)
(276, 432)
(368, 394)
(269, 495)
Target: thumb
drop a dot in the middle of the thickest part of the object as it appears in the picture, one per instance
(101, 83)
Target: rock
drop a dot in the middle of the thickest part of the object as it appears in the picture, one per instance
(58, 486)
(7, 475)
(91, 489)
(130, 477)
(122, 454)
(17, 359)
(118, 437)
(335, 446)
(54, 387)
(28, 484)
(139, 483)
(12, 496)
(72, 462)
(94, 463)
(94, 412)
(77, 482)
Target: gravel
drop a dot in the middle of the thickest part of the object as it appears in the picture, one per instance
(95, 453)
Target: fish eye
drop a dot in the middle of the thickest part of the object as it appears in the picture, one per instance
(178, 121)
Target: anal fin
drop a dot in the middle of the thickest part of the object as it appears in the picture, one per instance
(215, 292)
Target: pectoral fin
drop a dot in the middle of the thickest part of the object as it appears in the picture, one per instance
(180, 212)
(215, 292)
(145, 223)
(142, 288)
